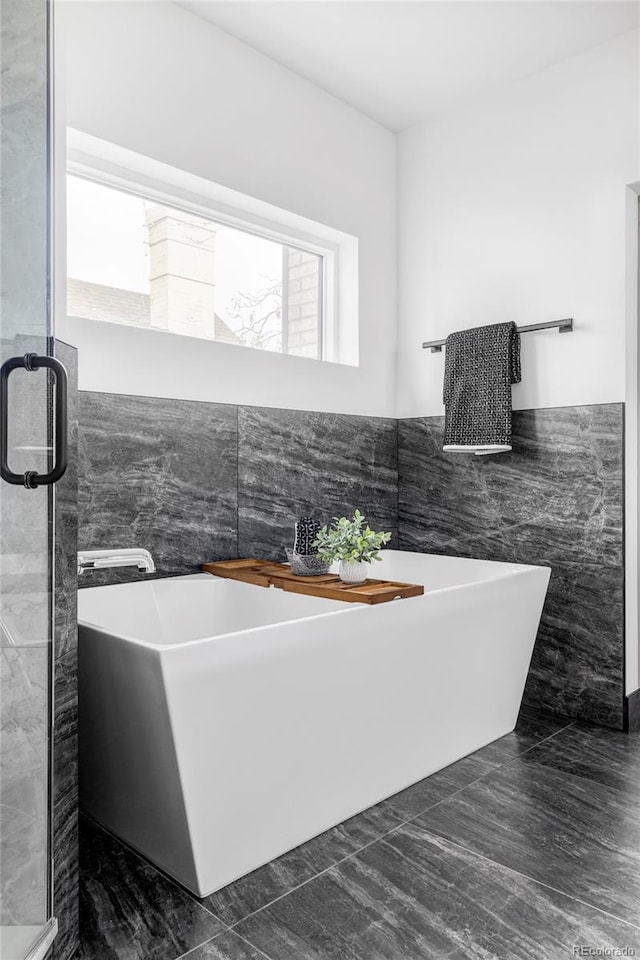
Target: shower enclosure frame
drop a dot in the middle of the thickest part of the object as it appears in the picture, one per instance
(33, 423)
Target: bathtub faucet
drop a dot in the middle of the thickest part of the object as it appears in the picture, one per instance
(102, 559)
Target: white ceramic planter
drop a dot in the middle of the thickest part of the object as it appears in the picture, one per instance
(353, 572)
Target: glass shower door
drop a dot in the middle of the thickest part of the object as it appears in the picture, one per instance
(28, 432)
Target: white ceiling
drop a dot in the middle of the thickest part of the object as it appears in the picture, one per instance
(400, 61)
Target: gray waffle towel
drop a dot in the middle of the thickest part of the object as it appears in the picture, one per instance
(480, 366)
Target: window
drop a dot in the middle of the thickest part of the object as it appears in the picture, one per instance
(134, 260)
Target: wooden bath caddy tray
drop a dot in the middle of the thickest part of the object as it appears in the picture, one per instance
(263, 573)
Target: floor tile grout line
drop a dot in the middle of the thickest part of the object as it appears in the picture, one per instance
(234, 933)
(569, 773)
(397, 826)
(184, 956)
(525, 876)
(539, 743)
(533, 746)
(201, 902)
(251, 944)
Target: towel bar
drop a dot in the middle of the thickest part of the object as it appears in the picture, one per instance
(562, 326)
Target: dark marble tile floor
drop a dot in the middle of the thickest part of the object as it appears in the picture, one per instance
(414, 896)
(610, 758)
(129, 911)
(227, 946)
(529, 849)
(565, 831)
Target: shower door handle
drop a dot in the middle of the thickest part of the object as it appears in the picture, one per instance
(31, 478)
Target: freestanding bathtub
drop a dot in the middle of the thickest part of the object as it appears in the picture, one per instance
(223, 724)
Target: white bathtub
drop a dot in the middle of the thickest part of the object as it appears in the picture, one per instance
(223, 724)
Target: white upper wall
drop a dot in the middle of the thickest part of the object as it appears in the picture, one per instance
(510, 207)
(513, 208)
(155, 79)
(401, 62)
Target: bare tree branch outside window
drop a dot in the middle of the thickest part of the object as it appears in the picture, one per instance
(257, 318)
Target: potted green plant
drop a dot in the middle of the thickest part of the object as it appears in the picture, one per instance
(353, 543)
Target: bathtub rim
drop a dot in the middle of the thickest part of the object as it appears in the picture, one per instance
(261, 628)
(342, 608)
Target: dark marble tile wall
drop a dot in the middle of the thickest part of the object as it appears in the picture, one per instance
(556, 500)
(65, 741)
(199, 481)
(160, 474)
(295, 462)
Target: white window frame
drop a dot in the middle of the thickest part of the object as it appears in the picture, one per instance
(123, 170)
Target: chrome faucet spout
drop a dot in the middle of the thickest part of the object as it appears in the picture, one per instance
(105, 559)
